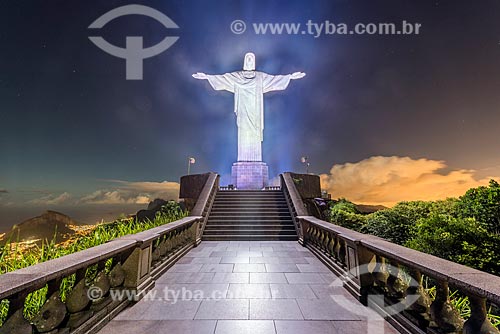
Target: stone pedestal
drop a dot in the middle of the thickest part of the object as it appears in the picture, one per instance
(250, 175)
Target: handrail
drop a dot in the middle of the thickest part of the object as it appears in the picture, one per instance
(136, 261)
(345, 251)
(36, 276)
(294, 202)
(204, 203)
(204, 198)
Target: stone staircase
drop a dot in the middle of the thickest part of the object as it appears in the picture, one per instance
(250, 215)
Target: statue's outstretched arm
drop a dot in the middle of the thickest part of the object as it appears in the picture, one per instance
(278, 82)
(218, 81)
(200, 76)
(297, 75)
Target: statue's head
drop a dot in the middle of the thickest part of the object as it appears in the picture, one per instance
(249, 63)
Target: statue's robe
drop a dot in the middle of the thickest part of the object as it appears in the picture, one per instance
(248, 88)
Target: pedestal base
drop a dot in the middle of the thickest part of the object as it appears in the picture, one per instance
(250, 175)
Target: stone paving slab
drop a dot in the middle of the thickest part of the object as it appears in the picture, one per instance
(246, 287)
(249, 268)
(245, 327)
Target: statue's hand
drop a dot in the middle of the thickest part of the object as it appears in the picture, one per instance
(200, 76)
(297, 75)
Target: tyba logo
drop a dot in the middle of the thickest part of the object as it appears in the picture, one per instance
(134, 53)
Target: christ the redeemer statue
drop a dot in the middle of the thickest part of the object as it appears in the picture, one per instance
(249, 87)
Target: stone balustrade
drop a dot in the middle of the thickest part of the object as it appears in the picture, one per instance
(373, 266)
(205, 202)
(390, 278)
(130, 263)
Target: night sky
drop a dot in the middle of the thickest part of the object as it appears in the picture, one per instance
(397, 117)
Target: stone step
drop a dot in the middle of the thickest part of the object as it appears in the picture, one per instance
(249, 206)
(279, 195)
(250, 215)
(249, 218)
(249, 191)
(249, 221)
(277, 231)
(211, 229)
(249, 200)
(250, 237)
(250, 209)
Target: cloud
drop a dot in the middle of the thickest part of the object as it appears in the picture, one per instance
(388, 180)
(3, 194)
(113, 197)
(133, 193)
(52, 199)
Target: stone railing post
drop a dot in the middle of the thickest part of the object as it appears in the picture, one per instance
(420, 309)
(137, 268)
(443, 313)
(304, 234)
(478, 323)
(365, 257)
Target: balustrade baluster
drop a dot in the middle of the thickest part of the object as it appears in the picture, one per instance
(419, 309)
(478, 323)
(322, 239)
(15, 322)
(443, 313)
(331, 245)
(396, 286)
(53, 311)
(380, 273)
(342, 253)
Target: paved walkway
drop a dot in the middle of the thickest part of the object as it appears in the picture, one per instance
(246, 287)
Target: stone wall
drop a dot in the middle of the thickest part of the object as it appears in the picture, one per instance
(191, 187)
(308, 185)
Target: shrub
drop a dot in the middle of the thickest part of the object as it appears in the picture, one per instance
(483, 204)
(344, 213)
(397, 224)
(462, 240)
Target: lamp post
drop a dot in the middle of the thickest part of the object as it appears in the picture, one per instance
(190, 162)
(305, 161)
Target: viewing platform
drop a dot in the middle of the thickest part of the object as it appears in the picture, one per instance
(219, 271)
(247, 287)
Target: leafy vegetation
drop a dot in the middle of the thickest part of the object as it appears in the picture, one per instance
(346, 212)
(464, 230)
(14, 256)
(462, 240)
(483, 204)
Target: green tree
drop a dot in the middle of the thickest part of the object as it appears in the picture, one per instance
(449, 206)
(345, 213)
(397, 224)
(462, 240)
(483, 204)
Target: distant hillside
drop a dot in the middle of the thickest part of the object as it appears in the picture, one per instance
(365, 208)
(42, 227)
